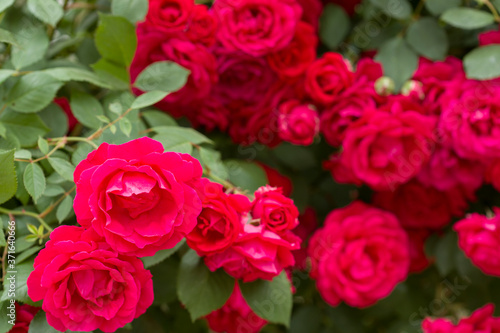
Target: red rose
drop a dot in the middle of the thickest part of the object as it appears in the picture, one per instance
(308, 223)
(24, 315)
(368, 70)
(340, 170)
(257, 254)
(489, 38)
(235, 316)
(419, 206)
(493, 174)
(256, 27)
(85, 285)
(209, 114)
(418, 258)
(276, 179)
(170, 16)
(359, 255)
(64, 105)
(298, 123)
(220, 221)
(294, 60)
(437, 326)
(203, 26)
(327, 77)
(311, 12)
(138, 198)
(154, 46)
(275, 211)
(480, 320)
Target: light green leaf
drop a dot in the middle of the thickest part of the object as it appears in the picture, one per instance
(4, 312)
(115, 75)
(34, 180)
(39, 324)
(103, 119)
(43, 145)
(428, 38)
(161, 255)
(166, 76)
(26, 127)
(5, 74)
(26, 254)
(125, 126)
(56, 119)
(7, 37)
(438, 7)
(270, 300)
(467, 18)
(212, 163)
(399, 9)
(199, 289)
(246, 175)
(398, 59)
(33, 44)
(64, 168)
(48, 11)
(158, 118)
(173, 143)
(22, 272)
(86, 109)
(116, 39)
(148, 99)
(334, 25)
(76, 74)
(132, 10)
(182, 132)
(8, 177)
(33, 92)
(4, 4)
(53, 190)
(483, 63)
(23, 154)
(64, 208)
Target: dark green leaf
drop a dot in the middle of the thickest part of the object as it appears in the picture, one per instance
(33, 92)
(48, 11)
(62, 167)
(22, 272)
(270, 300)
(467, 18)
(53, 190)
(428, 38)
(26, 127)
(34, 180)
(39, 324)
(33, 44)
(64, 208)
(160, 256)
(132, 10)
(165, 281)
(483, 63)
(199, 289)
(399, 9)
(438, 7)
(148, 99)
(334, 25)
(4, 312)
(26, 254)
(246, 175)
(86, 109)
(56, 119)
(116, 39)
(164, 76)
(8, 177)
(7, 37)
(445, 253)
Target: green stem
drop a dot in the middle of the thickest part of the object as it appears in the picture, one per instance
(25, 213)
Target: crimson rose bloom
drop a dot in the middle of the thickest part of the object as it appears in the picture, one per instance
(359, 255)
(256, 254)
(480, 320)
(276, 179)
(24, 315)
(327, 77)
(298, 123)
(235, 316)
(220, 221)
(277, 212)
(419, 206)
(489, 38)
(138, 198)
(85, 285)
(64, 105)
(385, 150)
(438, 326)
(418, 259)
(493, 174)
(170, 15)
(479, 238)
(256, 27)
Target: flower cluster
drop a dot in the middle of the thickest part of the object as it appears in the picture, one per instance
(480, 320)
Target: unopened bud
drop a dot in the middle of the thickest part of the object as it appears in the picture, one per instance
(414, 89)
(385, 86)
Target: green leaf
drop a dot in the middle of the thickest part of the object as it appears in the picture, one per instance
(64, 168)
(158, 118)
(212, 162)
(22, 272)
(64, 208)
(7, 37)
(161, 255)
(428, 38)
(34, 180)
(165, 282)
(26, 127)
(189, 134)
(199, 289)
(132, 10)
(8, 177)
(334, 25)
(125, 126)
(399, 9)
(116, 39)
(47, 11)
(246, 175)
(33, 92)
(43, 145)
(76, 74)
(438, 7)
(483, 63)
(33, 44)
(398, 59)
(115, 75)
(445, 253)
(270, 300)
(4, 312)
(86, 109)
(5, 74)
(23, 154)
(166, 76)
(467, 18)
(53, 190)
(56, 119)
(148, 99)
(4, 4)
(39, 324)
(26, 254)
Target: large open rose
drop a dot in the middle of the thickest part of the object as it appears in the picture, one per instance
(138, 198)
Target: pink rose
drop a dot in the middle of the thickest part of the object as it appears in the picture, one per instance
(170, 16)
(24, 315)
(277, 212)
(235, 316)
(438, 326)
(308, 223)
(327, 77)
(489, 38)
(256, 27)
(419, 206)
(276, 179)
(220, 221)
(138, 198)
(340, 170)
(203, 26)
(311, 11)
(210, 114)
(418, 258)
(480, 320)
(493, 174)
(298, 123)
(479, 238)
(85, 285)
(359, 256)
(256, 254)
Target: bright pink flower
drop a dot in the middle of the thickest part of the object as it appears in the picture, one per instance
(235, 316)
(359, 255)
(438, 326)
(480, 321)
(256, 27)
(311, 11)
(137, 197)
(277, 212)
(170, 16)
(298, 123)
(479, 238)
(257, 254)
(489, 38)
(24, 315)
(85, 285)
